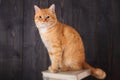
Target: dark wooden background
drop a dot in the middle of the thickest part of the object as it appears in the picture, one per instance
(22, 53)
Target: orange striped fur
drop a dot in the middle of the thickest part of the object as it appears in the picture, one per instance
(64, 44)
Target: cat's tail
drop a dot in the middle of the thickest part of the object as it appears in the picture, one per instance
(96, 72)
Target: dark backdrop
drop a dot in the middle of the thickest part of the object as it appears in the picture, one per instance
(22, 53)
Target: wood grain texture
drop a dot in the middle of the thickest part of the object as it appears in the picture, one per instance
(11, 15)
(115, 19)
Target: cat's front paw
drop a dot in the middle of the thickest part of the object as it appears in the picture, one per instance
(51, 69)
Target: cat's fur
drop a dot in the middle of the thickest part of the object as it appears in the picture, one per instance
(64, 44)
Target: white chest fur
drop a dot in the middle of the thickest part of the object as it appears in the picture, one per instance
(43, 30)
(46, 40)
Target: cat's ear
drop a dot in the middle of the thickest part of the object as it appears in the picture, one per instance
(37, 9)
(52, 7)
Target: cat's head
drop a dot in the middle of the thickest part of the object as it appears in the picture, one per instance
(45, 17)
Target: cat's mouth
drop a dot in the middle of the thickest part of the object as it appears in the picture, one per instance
(42, 25)
(45, 24)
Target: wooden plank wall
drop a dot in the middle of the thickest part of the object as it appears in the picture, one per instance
(115, 40)
(11, 35)
(22, 53)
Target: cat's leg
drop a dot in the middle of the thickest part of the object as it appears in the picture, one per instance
(53, 67)
(65, 68)
(56, 59)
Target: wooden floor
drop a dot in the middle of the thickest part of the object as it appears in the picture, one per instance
(22, 53)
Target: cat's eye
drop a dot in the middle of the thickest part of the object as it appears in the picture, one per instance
(40, 17)
(48, 17)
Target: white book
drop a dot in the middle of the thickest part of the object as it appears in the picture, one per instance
(70, 75)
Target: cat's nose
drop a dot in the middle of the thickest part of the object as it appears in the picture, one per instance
(44, 20)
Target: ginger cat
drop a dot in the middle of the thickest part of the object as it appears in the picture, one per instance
(64, 44)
